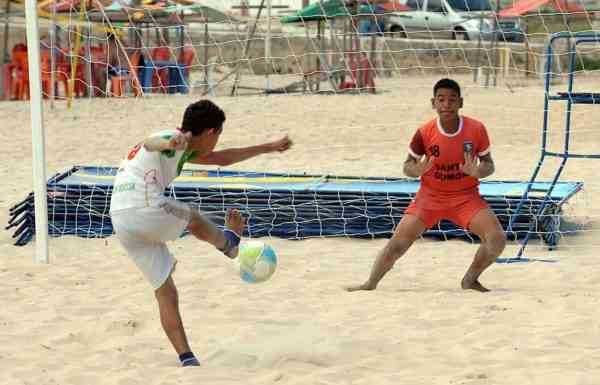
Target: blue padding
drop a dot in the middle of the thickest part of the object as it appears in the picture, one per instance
(99, 176)
(287, 206)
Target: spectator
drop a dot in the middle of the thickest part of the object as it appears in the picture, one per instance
(118, 61)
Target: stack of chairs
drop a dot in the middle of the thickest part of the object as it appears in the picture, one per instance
(287, 206)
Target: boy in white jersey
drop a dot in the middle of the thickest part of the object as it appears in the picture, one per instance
(144, 219)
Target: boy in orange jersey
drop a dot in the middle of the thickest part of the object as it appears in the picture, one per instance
(449, 154)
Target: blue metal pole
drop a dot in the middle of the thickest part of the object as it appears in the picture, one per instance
(524, 198)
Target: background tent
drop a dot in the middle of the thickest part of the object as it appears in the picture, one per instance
(120, 13)
(523, 7)
(328, 9)
(395, 6)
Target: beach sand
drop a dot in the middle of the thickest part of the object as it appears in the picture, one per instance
(90, 318)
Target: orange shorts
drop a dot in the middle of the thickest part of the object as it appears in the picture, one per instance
(460, 213)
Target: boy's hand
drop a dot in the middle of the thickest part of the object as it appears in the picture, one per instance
(280, 145)
(180, 141)
(471, 165)
(423, 165)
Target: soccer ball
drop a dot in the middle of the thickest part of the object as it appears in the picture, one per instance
(257, 260)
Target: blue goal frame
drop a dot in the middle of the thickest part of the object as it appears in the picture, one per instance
(571, 98)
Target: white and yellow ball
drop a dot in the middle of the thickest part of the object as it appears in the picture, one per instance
(257, 261)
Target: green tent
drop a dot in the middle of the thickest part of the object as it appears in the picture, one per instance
(327, 9)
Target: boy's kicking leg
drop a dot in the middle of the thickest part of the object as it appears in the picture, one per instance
(493, 240)
(226, 241)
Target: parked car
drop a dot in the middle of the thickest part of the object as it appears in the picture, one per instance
(510, 29)
(458, 19)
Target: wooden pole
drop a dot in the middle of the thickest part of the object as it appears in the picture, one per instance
(494, 54)
(331, 59)
(88, 63)
(478, 55)
(319, 48)
(181, 41)
(325, 67)
(53, 44)
(268, 55)
(75, 53)
(307, 60)
(235, 70)
(245, 51)
(5, 54)
(206, 70)
(527, 49)
(345, 37)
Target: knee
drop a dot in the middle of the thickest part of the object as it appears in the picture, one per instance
(496, 242)
(397, 247)
(167, 293)
(194, 227)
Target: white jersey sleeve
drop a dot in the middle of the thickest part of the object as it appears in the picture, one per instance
(144, 175)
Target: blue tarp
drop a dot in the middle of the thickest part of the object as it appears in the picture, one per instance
(283, 205)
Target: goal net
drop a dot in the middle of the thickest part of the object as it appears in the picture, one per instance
(350, 82)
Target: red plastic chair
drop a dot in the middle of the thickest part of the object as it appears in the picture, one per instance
(7, 72)
(99, 65)
(20, 75)
(19, 47)
(46, 69)
(188, 53)
(362, 73)
(16, 75)
(63, 68)
(81, 86)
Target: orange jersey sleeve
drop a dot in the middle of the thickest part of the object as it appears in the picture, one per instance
(416, 148)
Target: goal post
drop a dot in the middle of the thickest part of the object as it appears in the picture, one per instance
(37, 133)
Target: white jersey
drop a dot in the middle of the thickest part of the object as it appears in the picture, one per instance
(144, 175)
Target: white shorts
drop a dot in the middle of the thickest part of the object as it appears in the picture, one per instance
(143, 233)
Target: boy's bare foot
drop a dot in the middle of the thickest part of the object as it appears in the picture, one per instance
(473, 285)
(364, 286)
(234, 222)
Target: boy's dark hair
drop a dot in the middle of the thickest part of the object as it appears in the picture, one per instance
(448, 84)
(202, 115)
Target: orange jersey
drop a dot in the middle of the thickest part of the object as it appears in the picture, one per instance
(445, 180)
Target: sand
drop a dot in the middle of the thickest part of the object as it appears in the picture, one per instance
(89, 317)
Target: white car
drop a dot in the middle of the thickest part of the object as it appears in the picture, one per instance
(459, 19)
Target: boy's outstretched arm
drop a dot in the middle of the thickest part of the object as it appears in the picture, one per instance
(234, 155)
